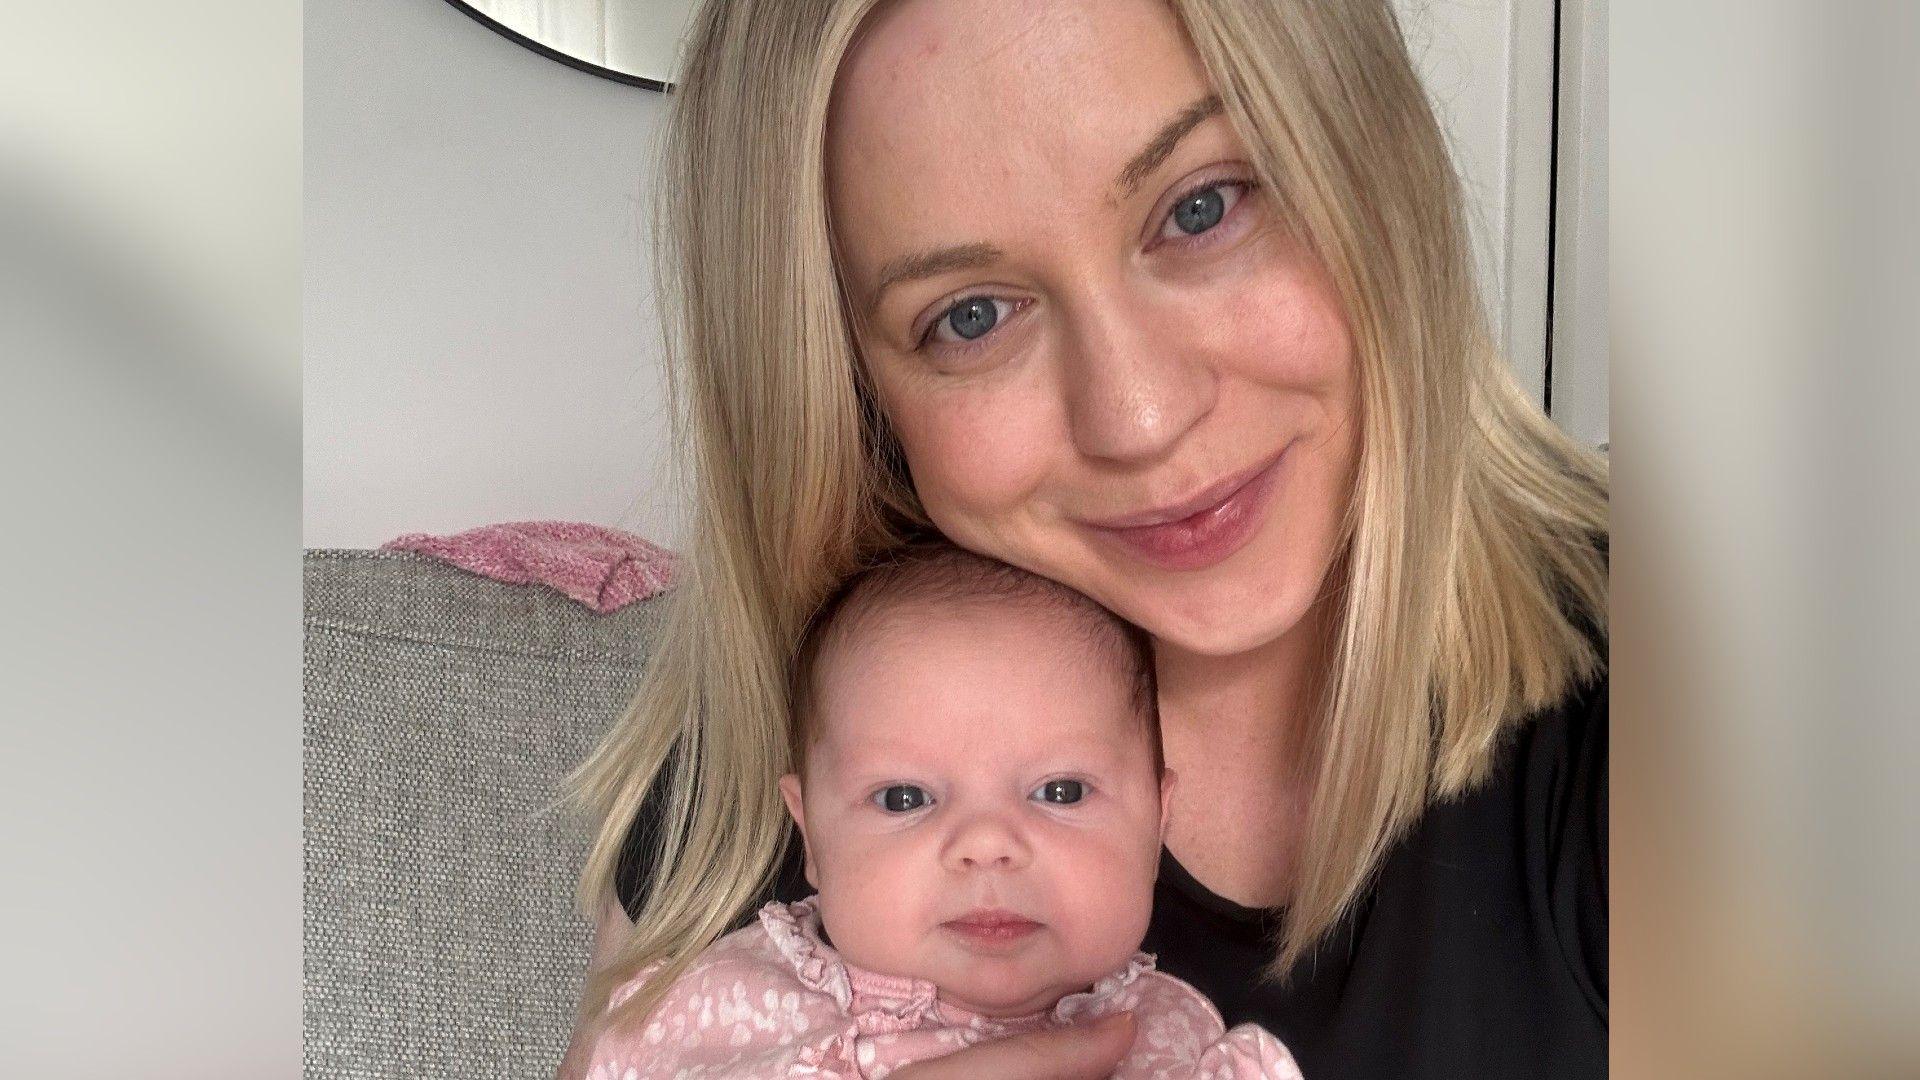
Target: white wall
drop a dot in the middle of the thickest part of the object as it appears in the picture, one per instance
(1488, 65)
(479, 336)
(480, 342)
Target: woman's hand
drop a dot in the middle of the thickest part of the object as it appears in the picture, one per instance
(1082, 1052)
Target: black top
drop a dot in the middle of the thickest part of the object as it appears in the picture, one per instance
(1480, 950)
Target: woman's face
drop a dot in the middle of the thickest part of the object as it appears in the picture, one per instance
(1104, 356)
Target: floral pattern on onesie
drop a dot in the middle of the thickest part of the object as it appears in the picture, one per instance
(774, 1000)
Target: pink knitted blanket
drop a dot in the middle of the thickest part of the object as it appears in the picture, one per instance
(603, 568)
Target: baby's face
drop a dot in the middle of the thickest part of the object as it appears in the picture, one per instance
(981, 808)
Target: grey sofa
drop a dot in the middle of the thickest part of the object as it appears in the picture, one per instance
(442, 710)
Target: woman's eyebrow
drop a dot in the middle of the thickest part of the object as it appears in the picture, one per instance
(926, 264)
(1169, 136)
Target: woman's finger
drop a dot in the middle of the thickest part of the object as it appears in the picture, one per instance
(1089, 1051)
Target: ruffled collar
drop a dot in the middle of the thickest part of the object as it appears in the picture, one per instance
(883, 1003)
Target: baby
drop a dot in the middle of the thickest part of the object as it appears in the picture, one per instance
(979, 789)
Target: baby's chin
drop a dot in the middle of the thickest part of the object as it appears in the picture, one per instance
(1006, 1003)
(1007, 994)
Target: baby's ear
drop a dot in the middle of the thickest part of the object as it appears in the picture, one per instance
(796, 806)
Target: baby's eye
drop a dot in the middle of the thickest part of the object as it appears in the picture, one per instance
(902, 798)
(1060, 792)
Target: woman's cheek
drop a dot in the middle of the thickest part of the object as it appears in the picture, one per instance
(978, 456)
(1299, 340)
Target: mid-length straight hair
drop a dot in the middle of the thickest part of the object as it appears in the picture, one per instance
(1471, 583)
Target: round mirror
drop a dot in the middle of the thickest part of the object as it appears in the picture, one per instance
(629, 41)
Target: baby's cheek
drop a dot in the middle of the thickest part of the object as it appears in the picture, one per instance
(1112, 893)
(869, 898)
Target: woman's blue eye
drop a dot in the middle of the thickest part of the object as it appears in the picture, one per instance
(902, 798)
(971, 318)
(1061, 792)
(1198, 213)
(1203, 209)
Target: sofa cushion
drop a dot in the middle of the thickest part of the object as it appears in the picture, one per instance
(442, 712)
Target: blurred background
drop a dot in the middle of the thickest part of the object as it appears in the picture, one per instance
(1761, 268)
(150, 442)
(1767, 810)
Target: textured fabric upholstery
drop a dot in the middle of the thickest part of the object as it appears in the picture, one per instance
(442, 711)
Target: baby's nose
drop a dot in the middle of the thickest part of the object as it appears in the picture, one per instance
(988, 843)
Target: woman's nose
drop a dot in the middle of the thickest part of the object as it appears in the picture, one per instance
(1133, 389)
(987, 841)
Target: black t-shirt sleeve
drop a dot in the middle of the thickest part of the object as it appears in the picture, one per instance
(1577, 841)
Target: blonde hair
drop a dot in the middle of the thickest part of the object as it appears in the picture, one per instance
(1473, 574)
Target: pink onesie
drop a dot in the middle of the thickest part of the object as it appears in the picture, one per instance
(774, 1000)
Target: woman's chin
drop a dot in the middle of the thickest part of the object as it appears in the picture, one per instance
(1221, 627)
(1214, 642)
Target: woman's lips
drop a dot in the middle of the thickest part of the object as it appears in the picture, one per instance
(1200, 531)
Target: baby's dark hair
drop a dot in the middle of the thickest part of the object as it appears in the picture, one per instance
(938, 574)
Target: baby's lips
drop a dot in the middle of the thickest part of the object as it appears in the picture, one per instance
(993, 919)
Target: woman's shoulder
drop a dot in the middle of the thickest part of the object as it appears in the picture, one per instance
(1560, 754)
(1518, 863)
(1561, 773)
(1570, 734)
(1550, 777)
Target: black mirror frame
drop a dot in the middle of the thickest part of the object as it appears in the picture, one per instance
(552, 53)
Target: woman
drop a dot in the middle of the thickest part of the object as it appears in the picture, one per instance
(1172, 303)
